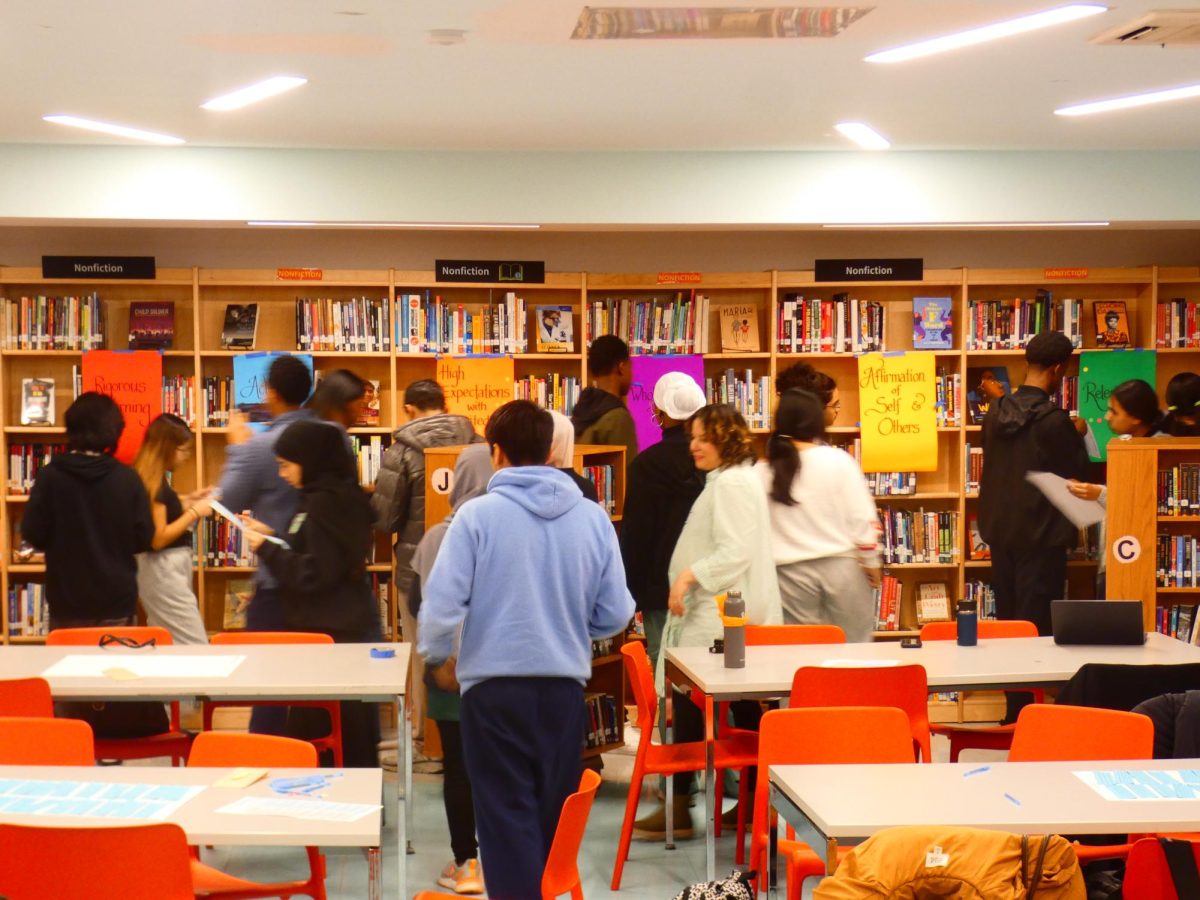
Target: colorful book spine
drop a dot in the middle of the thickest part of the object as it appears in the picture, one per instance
(750, 395)
(357, 325)
(842, 324)
(549, 391)
(24, 463)
(53, 323)
(1009, 324)
(670, 324)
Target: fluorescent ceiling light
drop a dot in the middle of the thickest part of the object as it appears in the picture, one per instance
(451, 225)
(1084, 109)
(863, 135)
(119, 130)
(996, 30)
(969, 225)
(253, 93)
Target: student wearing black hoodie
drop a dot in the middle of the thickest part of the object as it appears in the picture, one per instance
(90, 514)
(322, 571)
(600, 415)
(1029, 539)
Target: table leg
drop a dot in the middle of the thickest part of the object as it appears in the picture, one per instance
(710, 793)
(408, 783)
(403, 785)
(374, 874)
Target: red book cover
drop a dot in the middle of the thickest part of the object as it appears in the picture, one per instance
(151, 324)
(133, 378)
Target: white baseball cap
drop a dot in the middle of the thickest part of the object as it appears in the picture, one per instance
(678, 395)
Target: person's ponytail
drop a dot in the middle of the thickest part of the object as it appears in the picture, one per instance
(800, 417)
(785, 463)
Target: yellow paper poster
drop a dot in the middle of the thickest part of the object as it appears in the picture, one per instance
(476, 387)
(897, 397)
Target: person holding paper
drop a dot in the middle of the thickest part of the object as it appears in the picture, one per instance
(321, 566)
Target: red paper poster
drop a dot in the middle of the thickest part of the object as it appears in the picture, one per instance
(134, 379)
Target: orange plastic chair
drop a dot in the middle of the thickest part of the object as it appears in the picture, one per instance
(130, 862)
(1147, 875)
(790, 635)
(737, 751)
(224, 749)
(904, 687)
(820, 736)
(26, 697)
(333, 741)
(970, 737)
(43, 741)
(1056, 733)
(561, 875)
(172, 742)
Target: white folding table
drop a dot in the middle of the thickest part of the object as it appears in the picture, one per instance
(267, 672)
(991, 664)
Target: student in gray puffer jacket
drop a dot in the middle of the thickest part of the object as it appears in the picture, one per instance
(399, 502)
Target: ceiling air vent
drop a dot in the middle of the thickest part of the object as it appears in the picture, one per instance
(1160, 28)
(666, 23)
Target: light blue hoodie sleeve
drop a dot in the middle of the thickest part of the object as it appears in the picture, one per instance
(612, 605)
(444, 599)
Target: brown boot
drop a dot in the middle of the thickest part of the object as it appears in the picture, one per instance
(654, 826)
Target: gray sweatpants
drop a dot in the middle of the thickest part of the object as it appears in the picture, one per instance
(164, 580)
(830, 591)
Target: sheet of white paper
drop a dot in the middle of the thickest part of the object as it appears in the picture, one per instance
(1090, 443)
(318, 810)
(1144, 784)
(859, 663)
(144, 664)
(225, 513)
(1082, 513)
(145, 802)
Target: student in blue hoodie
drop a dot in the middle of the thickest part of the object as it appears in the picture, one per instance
(532, 572)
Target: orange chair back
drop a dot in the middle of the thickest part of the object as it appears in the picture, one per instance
(26, 697)
(790, 635)
(641, 682)
(1053, 733)
(231, 749)
(988, 628)
(42, 741)
(135, 862)
(1147, 875)
(90, 637)
(561, 875)
(904, 687)
(270, 637)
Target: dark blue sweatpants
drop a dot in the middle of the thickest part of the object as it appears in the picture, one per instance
(522, 739)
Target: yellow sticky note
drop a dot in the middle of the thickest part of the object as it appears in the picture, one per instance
(116, 673)
(240, 778)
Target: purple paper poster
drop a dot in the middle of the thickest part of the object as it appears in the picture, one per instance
(646, 372)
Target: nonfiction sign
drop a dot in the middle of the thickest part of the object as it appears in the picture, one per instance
(98, 267)
(490, 271)
(869, 270)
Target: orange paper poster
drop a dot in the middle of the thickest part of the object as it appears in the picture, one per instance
(897, 397)
(134, 379)
(476, 386)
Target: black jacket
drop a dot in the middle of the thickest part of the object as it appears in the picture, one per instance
(1024, 432)
(1176, 719)
(90, 514)
(662, 485)
(583, 483)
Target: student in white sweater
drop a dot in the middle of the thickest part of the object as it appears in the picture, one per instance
(824, 527)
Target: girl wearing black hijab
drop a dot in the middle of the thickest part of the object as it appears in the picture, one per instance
(322, 572)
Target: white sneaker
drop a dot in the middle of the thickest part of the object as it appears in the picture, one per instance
(464, 879)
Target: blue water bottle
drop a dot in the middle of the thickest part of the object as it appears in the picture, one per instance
(968, 624)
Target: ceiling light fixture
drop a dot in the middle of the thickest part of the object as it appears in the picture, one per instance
(254, 93)
(969, 225)
(863, 135)
(1084, 109)
(448, 225)
(447, 37)
(995, 31)
(124, 131)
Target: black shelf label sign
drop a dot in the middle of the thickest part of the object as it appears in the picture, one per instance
(870, 269)
(489, 271)
(98, 267)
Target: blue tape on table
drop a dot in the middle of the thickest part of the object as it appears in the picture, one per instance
(382, 653)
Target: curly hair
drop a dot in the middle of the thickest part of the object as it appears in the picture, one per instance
(725, 429)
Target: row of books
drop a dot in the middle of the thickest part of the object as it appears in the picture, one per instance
(917, 536)
(221, 546)
(216, 400)
(38, 405)
(28, 615)
(368, 454)
(604, 647)
(751, 396)
(1175, 324)
(1178, 621)
(889, 597)
(1009, 324)
(179, 397)
(841, 325)
(604, 478)
(357, 325)
(549, 391)
(889, 484)
(52, 323)
(1178, 490)
(658, 325)
(948, 398)
(981, 594)
(428, 324)
(1177, 560)
(25, 461)
(603, 727)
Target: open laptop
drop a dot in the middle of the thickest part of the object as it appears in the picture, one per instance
(1110, 622)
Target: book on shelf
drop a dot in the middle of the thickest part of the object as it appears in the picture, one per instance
(25, 461)
(28, 614)
(240, 330)
(429, 323)
(1067, 395)
(973, 467)
(1175, 324)
(948, 398)
(888, 601)
(179, 397)
(1177, 560)
(978, 547)
(369, 416)
(750, 395)
(555, 331)
(53, 323)
(37, 401)
(933, 323)
(151, 324)
(603, 478)
(879, 483)
(843, 324)
(1112, 323)
(238, 594)
(223, 546)
(983, 596)
(604, 647)
(216, 400)
(739, 328)
(1178, 621)
(1178, 490)
(919, 536)
(358, 325)
(368, 455)
(1009, 324)
(549, 391)
(933, 602)
(985, 384)
(602, 725)
(678, 324)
